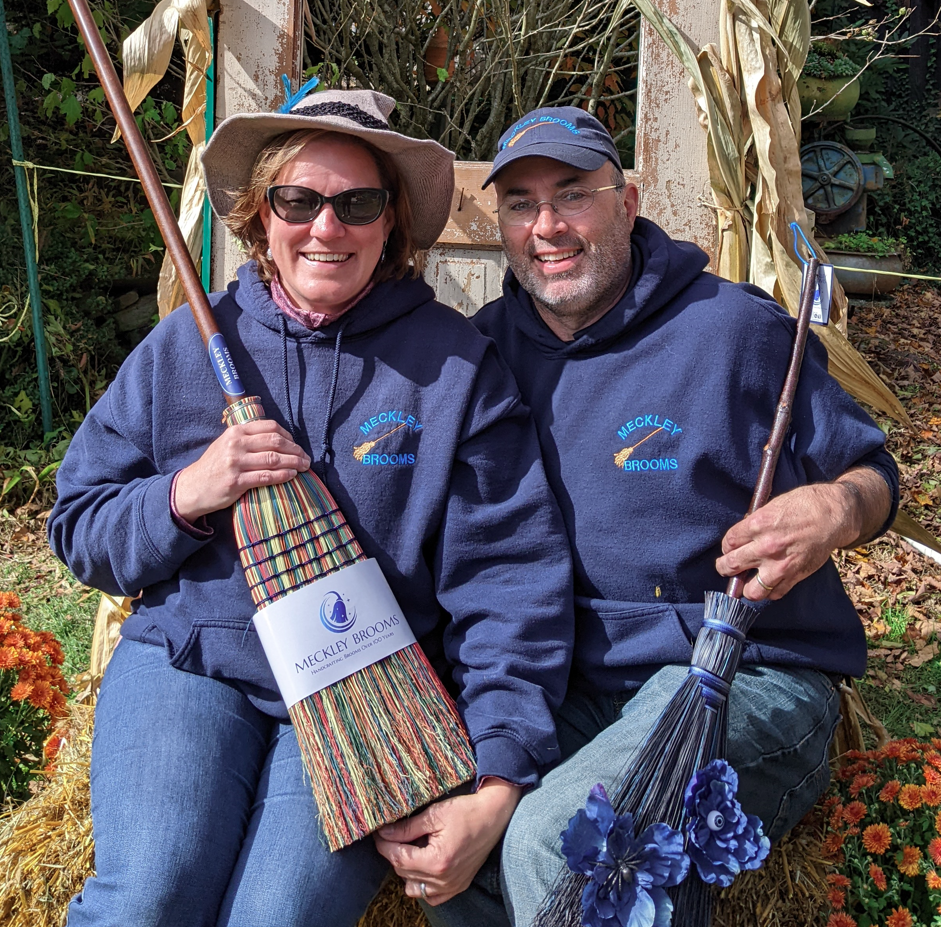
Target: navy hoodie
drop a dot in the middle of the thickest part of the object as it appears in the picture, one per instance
(451, 500)
(652, 423)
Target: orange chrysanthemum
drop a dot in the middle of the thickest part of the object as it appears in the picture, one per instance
(878, 877)
(832, 845)
(10, 600)
(837, 898)
(862, 781)
(900, 917)
(890, 790)
(931, 794)
(838, 879)
(836, 817)
(877, 838)
(910, 797)
(854, 812)
(933, 879)
(9, 658)
(910, 863)
(839, 919)
(934, 758)
(934, 851)
(21, 691)
(937, 822)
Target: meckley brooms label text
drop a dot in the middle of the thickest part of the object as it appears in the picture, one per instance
(330, 629)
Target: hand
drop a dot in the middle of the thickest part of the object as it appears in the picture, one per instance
(794, 534)
(259, 453)
(455, 837)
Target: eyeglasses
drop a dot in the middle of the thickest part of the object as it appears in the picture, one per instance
(360, 206)
(568, 202)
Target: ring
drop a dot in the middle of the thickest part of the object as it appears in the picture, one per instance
(761, 583)
(421, 888)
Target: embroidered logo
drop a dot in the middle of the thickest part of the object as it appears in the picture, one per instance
(521, 128)
(656, 456)
(379, 429)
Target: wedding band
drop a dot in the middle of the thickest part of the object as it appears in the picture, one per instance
(421, 888)
(761, 583)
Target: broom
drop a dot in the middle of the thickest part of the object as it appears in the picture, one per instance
(387, 739)
(691, 731)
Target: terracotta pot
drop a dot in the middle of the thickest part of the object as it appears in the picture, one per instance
(837, 96)
(436, 56)
(867, 284)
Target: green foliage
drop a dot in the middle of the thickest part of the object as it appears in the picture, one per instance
(863, 243)
(825, 61)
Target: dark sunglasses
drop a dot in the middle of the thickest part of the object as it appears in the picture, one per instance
(352, 207)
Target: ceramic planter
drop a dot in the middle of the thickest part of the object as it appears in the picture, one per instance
(866, 284)
(836, 95)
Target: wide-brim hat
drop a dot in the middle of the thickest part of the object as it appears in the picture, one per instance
(426, 168)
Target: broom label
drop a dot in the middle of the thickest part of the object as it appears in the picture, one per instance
(330, 629)
(224, 366)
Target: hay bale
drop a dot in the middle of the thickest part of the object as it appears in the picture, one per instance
(393, 908)
(46, 843)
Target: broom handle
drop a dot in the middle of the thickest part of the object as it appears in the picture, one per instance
(157, 198)
(782, 415)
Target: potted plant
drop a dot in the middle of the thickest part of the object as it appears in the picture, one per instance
(872, 262)
(828, 88)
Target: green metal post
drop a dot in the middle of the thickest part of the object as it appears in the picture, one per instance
(26, 221)
(206, 262)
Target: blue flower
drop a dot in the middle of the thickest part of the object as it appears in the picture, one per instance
(628, 874)
(721, 839)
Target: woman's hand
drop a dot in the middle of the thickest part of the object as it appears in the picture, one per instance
(257, 453)
(454, 837)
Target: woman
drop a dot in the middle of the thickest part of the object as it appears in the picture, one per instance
(200, 808)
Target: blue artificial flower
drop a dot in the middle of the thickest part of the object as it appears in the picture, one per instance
(721, 839)
(628, 874)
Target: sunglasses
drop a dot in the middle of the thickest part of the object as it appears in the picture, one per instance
(352, 207)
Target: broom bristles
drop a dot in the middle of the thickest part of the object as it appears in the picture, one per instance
(384, 741)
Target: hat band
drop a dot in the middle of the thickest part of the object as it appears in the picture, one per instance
(344, 110)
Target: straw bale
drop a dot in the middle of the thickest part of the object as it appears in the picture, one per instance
(393, 908)
(46, 848)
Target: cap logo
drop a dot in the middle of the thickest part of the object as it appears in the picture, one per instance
(521, 128)
(345, 111)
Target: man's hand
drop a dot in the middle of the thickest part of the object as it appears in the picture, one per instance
(259, 453)
(444, 845)
(794, 534)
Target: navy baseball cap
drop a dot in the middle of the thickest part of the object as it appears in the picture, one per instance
(563, 133)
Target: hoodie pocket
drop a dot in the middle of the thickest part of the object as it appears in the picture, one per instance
(624, 637)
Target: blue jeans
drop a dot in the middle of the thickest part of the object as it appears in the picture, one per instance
(201, 813)
(781, 721)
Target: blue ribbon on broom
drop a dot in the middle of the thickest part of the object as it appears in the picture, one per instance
(675, 822)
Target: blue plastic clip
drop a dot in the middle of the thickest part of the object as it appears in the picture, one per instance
(292, 99)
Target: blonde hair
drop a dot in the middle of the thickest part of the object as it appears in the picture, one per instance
(402, 256)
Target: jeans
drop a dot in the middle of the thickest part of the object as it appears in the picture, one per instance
(201, 813)
(781, 721)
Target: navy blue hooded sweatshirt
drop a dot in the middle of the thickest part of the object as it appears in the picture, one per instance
(652, 422)
(451, 500)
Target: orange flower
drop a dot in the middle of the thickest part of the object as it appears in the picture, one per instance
(910, 797)
(9, 658)
(21, 691)
(862, 781)
(900, 917)
(934, 758)
(937, 822)
(836, 817)
(839, 919)
(837, 898)
(42, 695)
(931, 794)
(933, 879)
(876, 838)
(854, 812)
(838, 879)
(10, 600)
(53, 745)
(910, 862)
(834, 843)
(878, 877)
(890, 790)
(934, 851)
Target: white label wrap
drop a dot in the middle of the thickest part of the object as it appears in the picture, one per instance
(330, 629)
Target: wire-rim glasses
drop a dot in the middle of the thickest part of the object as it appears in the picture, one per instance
(359, 206)
(517, 210)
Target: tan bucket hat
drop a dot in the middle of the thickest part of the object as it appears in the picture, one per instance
(426, 168)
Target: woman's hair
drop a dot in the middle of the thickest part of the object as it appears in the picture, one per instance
(244, 219)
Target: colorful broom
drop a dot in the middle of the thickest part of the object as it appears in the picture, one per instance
(691, 731)
(379, 743)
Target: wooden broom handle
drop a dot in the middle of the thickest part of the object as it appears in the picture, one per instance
(782, 415)
(140, 156)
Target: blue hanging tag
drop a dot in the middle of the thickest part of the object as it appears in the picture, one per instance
(224, 367)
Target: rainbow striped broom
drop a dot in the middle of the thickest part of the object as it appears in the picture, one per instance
(381, 742)
(691, 730)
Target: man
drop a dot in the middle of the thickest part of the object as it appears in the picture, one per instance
(653, 385)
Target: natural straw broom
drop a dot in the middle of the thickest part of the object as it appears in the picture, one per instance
(379, 743)
(691, 731)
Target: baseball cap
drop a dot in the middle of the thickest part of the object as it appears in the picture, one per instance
(563, 133)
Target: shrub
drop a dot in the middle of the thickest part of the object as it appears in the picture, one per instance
(863, 243)
(32, 700)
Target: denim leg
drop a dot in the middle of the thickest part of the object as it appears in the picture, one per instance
(285, 875)
(175, 759)
(780, 724)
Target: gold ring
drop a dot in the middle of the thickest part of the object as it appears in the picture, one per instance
(421, 888)
(761, 583)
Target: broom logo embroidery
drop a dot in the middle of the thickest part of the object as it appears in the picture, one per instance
(622, 456)
(361, 450)
(379, 735)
